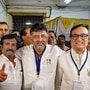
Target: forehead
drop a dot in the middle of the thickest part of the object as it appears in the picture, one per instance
(39, 33)
(61, 37)
(51, 34)
(13, 40)
(3, 26)
(27, 31)
(80, 30)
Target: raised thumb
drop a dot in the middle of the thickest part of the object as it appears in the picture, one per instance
(3, 67)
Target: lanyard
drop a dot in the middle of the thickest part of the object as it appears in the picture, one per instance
(38, 60)
(79, 70)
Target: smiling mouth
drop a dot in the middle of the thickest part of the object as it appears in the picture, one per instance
(9, 51)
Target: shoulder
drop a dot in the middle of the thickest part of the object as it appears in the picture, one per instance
(54, 49)
(3, 60)
(23, 51)
(65, 54)
(25, 48)
(2, 57)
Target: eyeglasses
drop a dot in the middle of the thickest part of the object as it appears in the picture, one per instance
(82, 36)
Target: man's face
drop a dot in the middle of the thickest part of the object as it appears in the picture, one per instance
(61, 40)
(9, 47)
(40, 39)
(3, 30)
(52, 39)
(27, 38)
(79, 42)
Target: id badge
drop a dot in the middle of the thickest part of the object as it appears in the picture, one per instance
(78, 85)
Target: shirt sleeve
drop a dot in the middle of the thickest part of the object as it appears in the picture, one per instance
(58, 78)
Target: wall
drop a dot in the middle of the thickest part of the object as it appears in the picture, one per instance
(78, 15)
(70, 14)
(10, 22)
(2, 12)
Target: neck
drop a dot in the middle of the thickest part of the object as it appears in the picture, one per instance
(62, 46)
(79, 51)
(11, 59)
(39, 53)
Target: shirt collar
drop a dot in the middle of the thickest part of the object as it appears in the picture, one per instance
(77, 57)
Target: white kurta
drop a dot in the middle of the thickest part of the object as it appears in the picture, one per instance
(45, 81)
(14, 78)
(67, 72)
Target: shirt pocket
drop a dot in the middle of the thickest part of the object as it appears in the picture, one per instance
(47, 66)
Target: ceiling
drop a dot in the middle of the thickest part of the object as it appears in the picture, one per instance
(42, 5)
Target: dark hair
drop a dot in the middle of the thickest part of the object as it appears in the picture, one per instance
(23, 32)
(8, 36)
(38, 26)
(61, 35)
(76, 26)
(4, 23)
(52, 32)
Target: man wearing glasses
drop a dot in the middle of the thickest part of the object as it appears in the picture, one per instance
(73, 72)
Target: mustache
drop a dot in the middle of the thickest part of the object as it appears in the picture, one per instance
(10, 50)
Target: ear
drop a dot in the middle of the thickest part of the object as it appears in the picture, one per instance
(23, 38)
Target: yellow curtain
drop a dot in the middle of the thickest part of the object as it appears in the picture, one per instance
(66, 22)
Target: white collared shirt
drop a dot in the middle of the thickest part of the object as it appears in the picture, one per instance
(78, 58)
(14, 77)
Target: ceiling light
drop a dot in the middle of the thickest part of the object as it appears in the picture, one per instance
(67, 1)
(28, 23)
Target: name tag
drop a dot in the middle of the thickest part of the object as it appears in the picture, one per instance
(78, 85)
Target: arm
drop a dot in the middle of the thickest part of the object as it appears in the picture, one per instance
(58, 78)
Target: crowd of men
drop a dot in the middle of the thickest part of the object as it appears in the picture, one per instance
(44, 63)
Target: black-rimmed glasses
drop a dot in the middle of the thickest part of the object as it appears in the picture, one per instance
(82, 36)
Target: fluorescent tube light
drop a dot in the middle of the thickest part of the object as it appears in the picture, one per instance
(67, 1)
(28, 23)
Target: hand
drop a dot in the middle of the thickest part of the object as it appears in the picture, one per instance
(3, 75)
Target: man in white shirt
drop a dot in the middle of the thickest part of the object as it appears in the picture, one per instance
(39, 60)
(10, 68)
(73, 71)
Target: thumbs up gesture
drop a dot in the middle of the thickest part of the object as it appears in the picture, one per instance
(3, 75)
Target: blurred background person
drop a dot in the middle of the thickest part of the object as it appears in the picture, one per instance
(25, 36)
(61, 42)
(52, 38)
(4, 29)
(19, 41)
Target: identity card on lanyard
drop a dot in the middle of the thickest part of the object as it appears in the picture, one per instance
(77, 85)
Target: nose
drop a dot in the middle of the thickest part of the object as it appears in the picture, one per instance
(50, 38)
(10, 46)
(79, 38)
(40, 38)
(4, 31)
